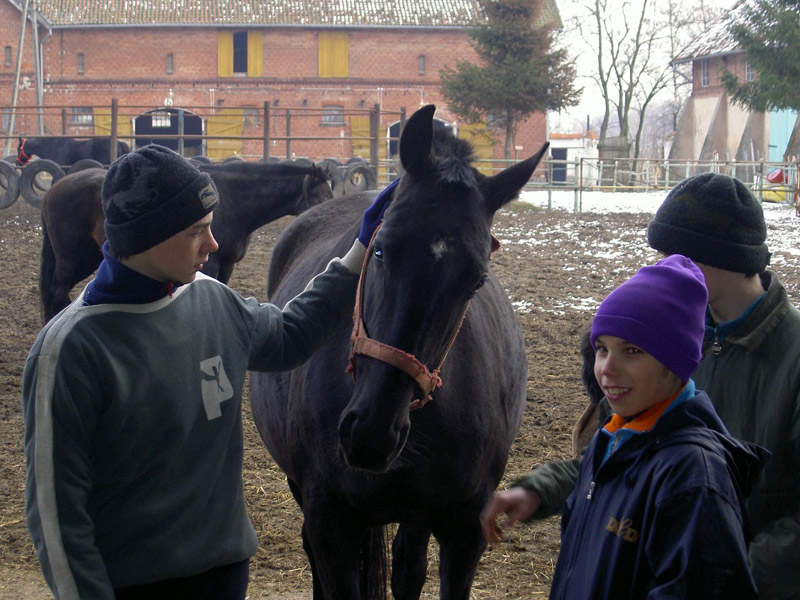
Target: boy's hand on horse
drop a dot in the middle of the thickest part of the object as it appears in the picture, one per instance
(516, 502)
(374, 213)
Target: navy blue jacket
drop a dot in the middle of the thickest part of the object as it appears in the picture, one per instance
(663, 517)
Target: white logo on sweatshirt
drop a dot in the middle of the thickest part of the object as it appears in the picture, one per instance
(215, 385)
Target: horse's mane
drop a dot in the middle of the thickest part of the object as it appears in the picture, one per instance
(453, 158)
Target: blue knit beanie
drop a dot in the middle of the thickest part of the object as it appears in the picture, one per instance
(150, 195)
(662, 310)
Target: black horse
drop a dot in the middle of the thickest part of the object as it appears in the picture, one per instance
(356, 454)
(68, 151)
(251, 195)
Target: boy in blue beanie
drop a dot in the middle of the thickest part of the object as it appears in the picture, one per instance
(657, 510)
(132, 396)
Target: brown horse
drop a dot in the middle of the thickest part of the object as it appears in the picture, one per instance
(251, 195)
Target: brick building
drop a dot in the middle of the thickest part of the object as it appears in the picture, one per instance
(712, 127)
(218, 64)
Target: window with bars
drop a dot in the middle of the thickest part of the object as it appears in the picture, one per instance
(704, 73)
(749, 74)
(7, 56)
(421, 60)
(170, 64)
(160, 118)
(332, 115)
(80, 115)
(81, 64)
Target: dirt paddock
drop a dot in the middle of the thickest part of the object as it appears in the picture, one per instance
(556, 267)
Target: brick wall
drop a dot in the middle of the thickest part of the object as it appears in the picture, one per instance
(130, 64)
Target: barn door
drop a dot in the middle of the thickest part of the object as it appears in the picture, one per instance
(102, 125)
(359, 128)
(482, 141)
(227, 122)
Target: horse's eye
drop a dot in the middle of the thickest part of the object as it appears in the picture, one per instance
(378, 253)
(479, 285)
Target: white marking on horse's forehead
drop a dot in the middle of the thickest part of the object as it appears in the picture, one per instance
(439, 248)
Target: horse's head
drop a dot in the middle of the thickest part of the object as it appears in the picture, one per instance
(23, 156)
(316, 188)
(430, 257)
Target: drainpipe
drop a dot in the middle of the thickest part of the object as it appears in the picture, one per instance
(37, 69)
(15, 90)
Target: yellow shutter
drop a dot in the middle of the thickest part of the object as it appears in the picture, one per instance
(359, 127)
(255, 53)
(482, 141)
(333, 54)
(102, 125)
(228, 122)
(225, 53)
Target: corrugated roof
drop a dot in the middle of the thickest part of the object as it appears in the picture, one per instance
(714, 41)
(326, 13)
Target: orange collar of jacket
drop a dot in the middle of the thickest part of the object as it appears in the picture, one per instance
(644, 421)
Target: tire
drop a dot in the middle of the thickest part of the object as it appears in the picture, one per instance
(27, 181)
(9, 184)
(334, 170)
(85, 163)
(359, 178)
(273, 160)
(11, 159)
(200, 159)
(355, 160)
(232, 159)
(303, 162)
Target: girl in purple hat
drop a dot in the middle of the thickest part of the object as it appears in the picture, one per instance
(657, 511)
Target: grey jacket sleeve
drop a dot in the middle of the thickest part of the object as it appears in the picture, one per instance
(286, 338)
(553, 482)
(59, 422)
(773, 557)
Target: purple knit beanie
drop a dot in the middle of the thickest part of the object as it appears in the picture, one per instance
(662, 310)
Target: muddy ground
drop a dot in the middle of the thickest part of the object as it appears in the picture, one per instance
(556, 266)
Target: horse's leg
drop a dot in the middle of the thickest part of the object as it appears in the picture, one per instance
(334, 542)
(461, 544)
(409, 560)
(318, 593)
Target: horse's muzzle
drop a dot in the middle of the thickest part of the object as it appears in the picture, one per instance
(365, 447)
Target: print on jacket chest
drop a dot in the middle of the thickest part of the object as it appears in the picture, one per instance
(215, 385)
(623, 529)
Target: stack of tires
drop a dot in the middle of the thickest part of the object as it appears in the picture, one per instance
(34, 179)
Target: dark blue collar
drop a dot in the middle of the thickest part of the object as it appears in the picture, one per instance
(117, 284)
(719, 331)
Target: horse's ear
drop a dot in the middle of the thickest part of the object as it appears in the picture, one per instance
(314, 173)
(505, 186)
(416, 140)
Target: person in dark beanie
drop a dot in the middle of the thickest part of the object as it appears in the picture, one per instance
(132, 396)
(750, 369)
(657, 510)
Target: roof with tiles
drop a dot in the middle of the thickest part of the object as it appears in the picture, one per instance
(311, 13)
(714, 41)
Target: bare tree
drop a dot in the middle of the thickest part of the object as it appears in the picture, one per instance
(633, 43)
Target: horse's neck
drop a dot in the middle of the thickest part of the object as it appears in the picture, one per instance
(276, 204)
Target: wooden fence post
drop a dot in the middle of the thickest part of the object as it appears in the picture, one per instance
(288, 134)
(265, 153)
(112, 155)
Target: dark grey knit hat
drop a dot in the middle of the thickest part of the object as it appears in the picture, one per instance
(150, 195)
(715, 220)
